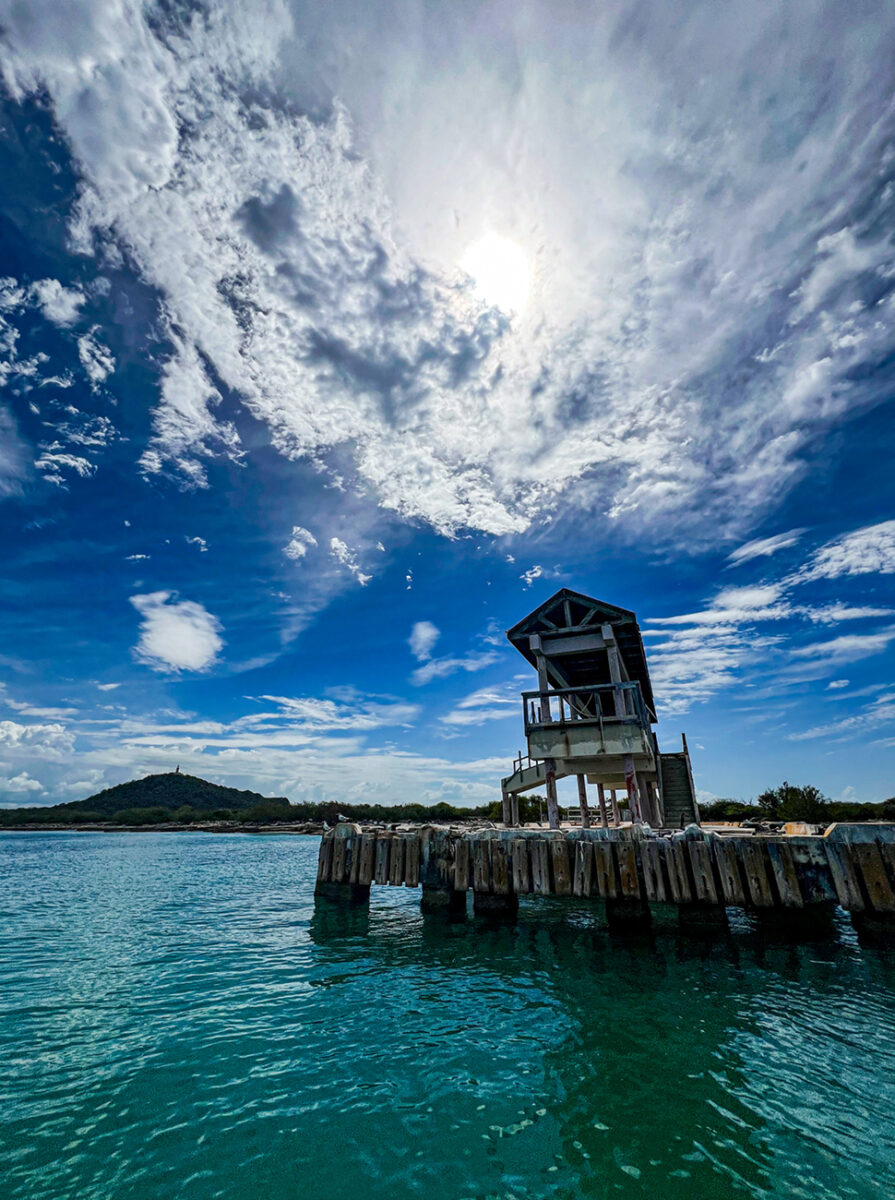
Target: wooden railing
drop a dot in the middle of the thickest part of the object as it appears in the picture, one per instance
(605, 702)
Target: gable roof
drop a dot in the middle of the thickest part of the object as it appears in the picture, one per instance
(567, 611)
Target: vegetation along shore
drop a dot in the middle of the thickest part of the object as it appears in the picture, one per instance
(174, 800)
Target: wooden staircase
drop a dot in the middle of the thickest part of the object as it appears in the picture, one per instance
(679, 800)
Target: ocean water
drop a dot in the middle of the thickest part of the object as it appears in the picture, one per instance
(177, 1021)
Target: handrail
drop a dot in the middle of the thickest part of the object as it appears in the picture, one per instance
(537, 706)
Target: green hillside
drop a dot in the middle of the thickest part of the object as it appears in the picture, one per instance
(172, 790)
(154, 800)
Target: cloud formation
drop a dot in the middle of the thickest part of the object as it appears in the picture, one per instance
(176, 635)
(301, 541)
(764, 547)
(422, 640)
(862, 552)
(681, 351)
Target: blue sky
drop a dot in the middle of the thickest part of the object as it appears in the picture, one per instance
(334, 339)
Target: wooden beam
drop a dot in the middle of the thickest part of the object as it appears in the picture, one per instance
(601, 796)
(552, 803)
(576, 644)
(582, 800)
(631, 785)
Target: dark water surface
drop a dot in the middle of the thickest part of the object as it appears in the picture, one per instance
(175, 1021)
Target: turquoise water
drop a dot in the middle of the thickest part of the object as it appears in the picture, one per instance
(175, 1021)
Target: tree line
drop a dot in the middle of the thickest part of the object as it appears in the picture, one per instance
(788, 802)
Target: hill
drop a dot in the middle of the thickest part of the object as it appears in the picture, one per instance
(173, 790)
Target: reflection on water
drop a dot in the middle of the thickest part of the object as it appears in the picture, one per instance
(177, 1020)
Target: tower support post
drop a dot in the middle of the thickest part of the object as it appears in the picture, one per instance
(582, 800)
(552, 802)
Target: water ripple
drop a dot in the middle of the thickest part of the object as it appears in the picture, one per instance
(177, 1021)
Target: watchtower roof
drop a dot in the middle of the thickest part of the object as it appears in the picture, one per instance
(568, 613)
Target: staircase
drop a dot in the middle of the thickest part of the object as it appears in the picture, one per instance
(677, 791)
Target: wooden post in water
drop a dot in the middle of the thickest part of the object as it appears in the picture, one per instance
(582, 800)
(339, 866)
(552, 803)
(601, 795)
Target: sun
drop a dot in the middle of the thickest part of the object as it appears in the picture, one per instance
(501, 272)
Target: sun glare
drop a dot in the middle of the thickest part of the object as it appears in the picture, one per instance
(500, 270)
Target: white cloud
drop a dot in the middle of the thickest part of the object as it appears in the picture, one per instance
(13, 456)
(178, 635)
(200, 542)
(59, 304)
(108, 687)
(764, 547)
(528, 577)
(50, 741)
(324, 714)
(96, 358)
(835, 684)
(184, 425)
(348, 559)
(848, 648)
(881, 712)
(422, 640)
(299, 543)
(20, 783)
(864, 551)
(52, 464)
(322, 289)
(440, 668)
(832, 614)
(486, 704)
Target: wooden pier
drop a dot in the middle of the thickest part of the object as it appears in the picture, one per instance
(630, 870)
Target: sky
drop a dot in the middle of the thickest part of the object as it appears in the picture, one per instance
(335, 338)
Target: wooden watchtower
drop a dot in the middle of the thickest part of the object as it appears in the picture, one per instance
(592, 716)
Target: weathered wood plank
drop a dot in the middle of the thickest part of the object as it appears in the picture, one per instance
(481, 864)
(382, 856)
(412, 860)
(500, 867)
(366, 857)
(678, 877)
(562, 875)
(396, 862)
(352, 857)
(813, 870)
(627, 870)
(521, 867)
(652, 858)
(583, 875)
(338, 875)
(703, 875)
(604, 868)
(325, 860)
(887, 850)
(725, 857)
(848, 890)
(752, 855)
(879, 890)
(540, 867)
(785, 877)
(462, 863)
